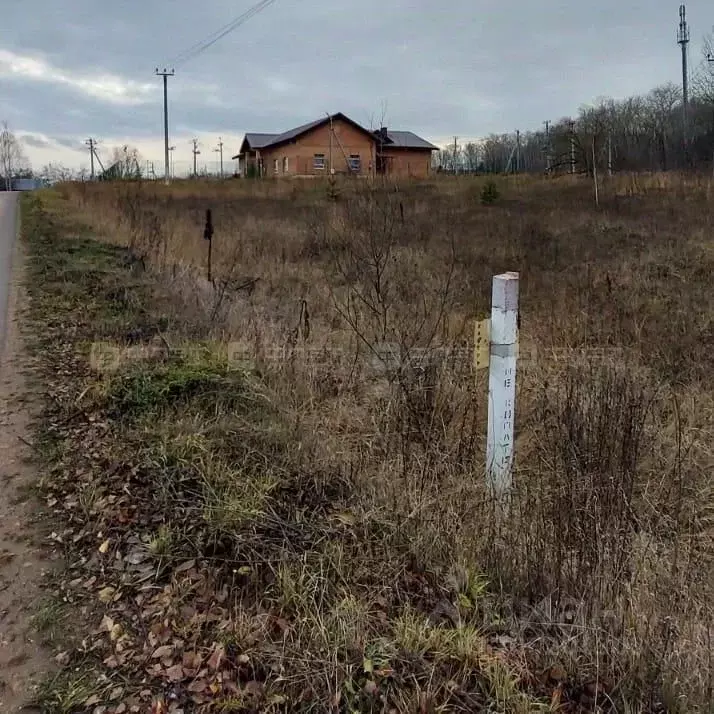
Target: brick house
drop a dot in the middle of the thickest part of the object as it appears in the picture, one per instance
(335, 144)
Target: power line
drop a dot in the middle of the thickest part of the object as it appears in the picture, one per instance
(219, 34)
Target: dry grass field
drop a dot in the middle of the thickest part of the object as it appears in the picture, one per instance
(313, 512)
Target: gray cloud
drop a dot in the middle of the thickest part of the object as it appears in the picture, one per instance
(37, 142)
(69, 70)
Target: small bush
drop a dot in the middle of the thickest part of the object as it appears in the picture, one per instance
(489, 194)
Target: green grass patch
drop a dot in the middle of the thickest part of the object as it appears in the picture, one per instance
(205, 388)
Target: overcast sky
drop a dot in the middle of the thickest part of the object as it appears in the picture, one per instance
(70, 69)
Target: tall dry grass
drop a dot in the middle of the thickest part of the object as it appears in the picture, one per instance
(357, 306)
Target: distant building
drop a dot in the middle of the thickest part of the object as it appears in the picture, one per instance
(335, 145)
(27, 184)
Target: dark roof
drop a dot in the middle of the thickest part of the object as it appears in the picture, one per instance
(298, 130)
(407, 140)
(255, 140)
(395, 139)
(258, 141)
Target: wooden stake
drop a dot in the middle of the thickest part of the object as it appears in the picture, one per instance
(208, 235)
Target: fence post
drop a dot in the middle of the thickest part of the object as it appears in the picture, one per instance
(502, 382)
(208, 235)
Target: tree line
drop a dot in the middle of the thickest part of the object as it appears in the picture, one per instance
(647, 132)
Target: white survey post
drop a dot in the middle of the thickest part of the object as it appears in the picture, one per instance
(502, 383)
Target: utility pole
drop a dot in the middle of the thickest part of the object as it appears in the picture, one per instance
(571, 124)
(597, 192)
(219, 150)
(166, 75)
(456, 149)
(518, 151)
(332, 131)
(710, 59)
(171, 163)
(91, 144)
(196, 152)
(547, 145)
(683, 42)
(609, 154)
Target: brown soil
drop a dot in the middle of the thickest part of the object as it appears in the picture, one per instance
(22, 565)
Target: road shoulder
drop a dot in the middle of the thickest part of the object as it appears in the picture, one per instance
(23, 565)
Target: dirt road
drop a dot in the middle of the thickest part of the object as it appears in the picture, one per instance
(22, 661)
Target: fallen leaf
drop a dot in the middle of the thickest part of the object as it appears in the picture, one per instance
(214, 661)
(175, 673)
(191, 660)
(197, 686)
(104, 547)
(163, 651)
(136, 557)
(116, 692)
(62, 659)
(91, 701)
(106, 594)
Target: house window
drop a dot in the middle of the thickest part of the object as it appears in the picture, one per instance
(286, 164)
(318, 162)
(276, 166)
(355, 163)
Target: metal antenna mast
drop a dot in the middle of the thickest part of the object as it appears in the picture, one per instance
(166, 75)
(683, 42)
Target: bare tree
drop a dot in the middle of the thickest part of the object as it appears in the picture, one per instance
(471, 157)
(57, 173)
(451, 157)
(11, 156)
(125, 164)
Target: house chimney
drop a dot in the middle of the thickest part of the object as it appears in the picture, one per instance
(384, 133)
